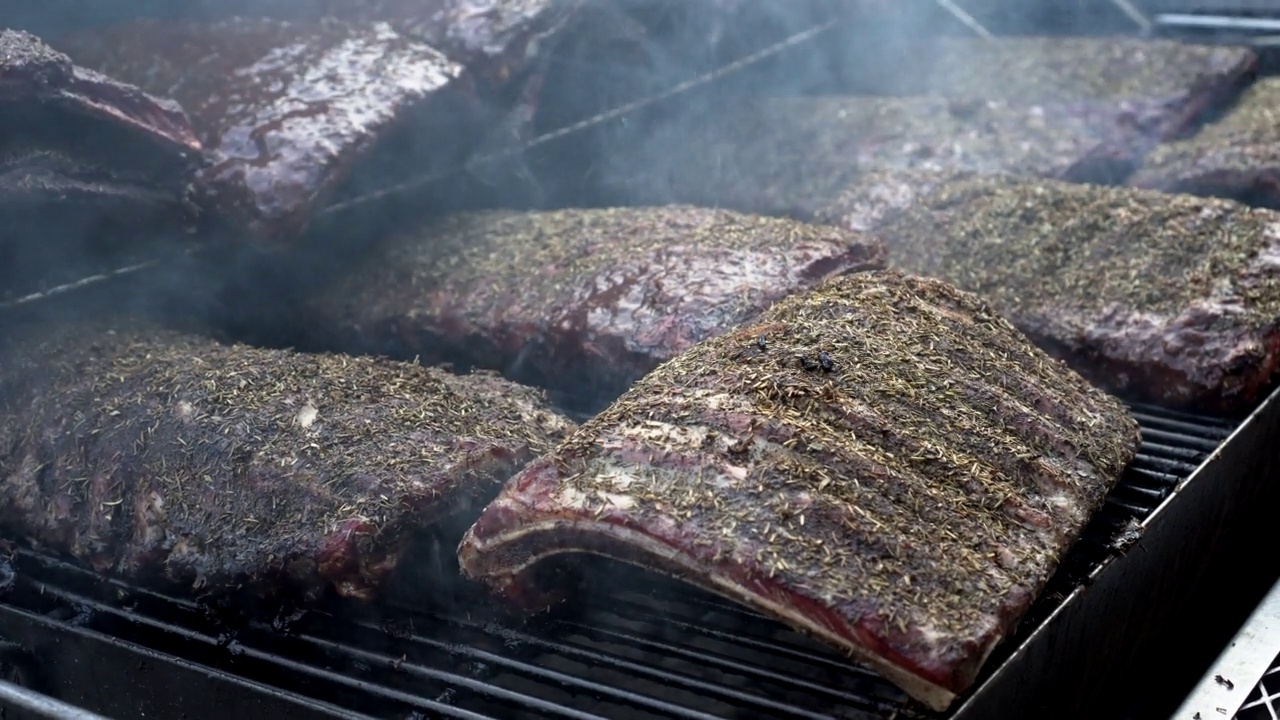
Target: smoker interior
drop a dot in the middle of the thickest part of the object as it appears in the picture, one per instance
(632, 645)
(1175, 548)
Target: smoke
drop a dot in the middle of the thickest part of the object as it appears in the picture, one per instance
(615, 52)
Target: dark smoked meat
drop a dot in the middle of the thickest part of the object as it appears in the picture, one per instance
(1165, 86)
(498, 41)
(164, 457)
(797, 156)
(582, 302)
(32, 71)
(1170, 299)
(1237, 156)
(883, 462)
(290, 113)
(88, 166)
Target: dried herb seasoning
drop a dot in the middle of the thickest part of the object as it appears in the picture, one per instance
(581, 301)
(1234, 157)
(797, 155)
(1166, 85)
(155, 455)
(906, 506)
(1169, 298)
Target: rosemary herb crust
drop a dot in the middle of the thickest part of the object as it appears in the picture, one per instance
(1236, 156)
(1172, 299)
(157, 455)
(1166, 86)
(796, 155)
(580, 301)
(884, 462)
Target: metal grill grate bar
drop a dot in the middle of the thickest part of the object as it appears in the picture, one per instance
(603, 660)
(194, 640)
(716, 660)
(1263, 703)
(667, 652)
(1193, 429)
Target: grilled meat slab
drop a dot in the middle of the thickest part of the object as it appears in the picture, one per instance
(1237, 156)
(1172, 299)
(155, 455)
(496, 40)
(294, 115)
(883, 462)
(90, 168)
(1166, 86)
(583, 302)
(796, 156)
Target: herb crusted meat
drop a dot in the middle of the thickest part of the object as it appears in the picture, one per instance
(1237, 156)
(1170, 299)
(1165, 86)
(883, 462)
(155, 455)
(796, 155)
(582, 302)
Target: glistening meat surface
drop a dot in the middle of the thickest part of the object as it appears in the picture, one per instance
(290, 112)
(158, 456)
(883, 462)
(583, 302)
(1171, 299)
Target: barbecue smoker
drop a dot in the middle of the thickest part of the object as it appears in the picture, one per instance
(1162, 578)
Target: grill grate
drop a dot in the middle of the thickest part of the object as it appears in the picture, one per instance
(1263, 702)
(634, 646)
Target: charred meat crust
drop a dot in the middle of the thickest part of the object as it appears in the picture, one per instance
(286, 110)
(903, 495)
(1170, 299)
(1164, 86)
(33, 73)
(159, 456)
(797, 156)
(1233, 157)
(581, 301)
(91, 170)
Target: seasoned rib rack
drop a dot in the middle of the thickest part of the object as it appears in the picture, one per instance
(634, 646)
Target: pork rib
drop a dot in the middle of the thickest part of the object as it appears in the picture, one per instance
(1171, 299)
(291, 114)
(155, 455)
(883, 462)
(92, 171)
(582, 302)
(1235, 157)
(796, 156)
(1166, 86)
